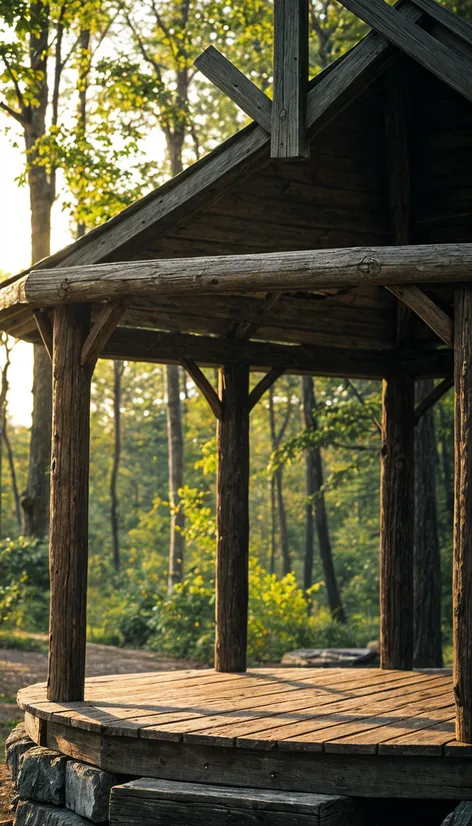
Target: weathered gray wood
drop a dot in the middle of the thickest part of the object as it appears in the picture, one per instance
(101, 331)
(188, 804)
(204, 386)
(232, 554)
(267, 381)
(436, 394)
(34, 814)
(68, 541)
(353, 73)
(414, 41)
(42, 776)
(44, 326)
(462, 560)
(427, 310)
(87, 791)
(453, 22)
(396, 523)
(396, 123)
(269, 272)
(226, 77)
(360, 775)
(172, 348)
(288, 138)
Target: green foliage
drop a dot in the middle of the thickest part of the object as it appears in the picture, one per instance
(24, 582)
(19, 641)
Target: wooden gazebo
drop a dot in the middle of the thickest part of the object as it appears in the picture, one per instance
(332, 237)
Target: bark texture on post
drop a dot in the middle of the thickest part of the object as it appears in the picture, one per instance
(462, 569)
(397, 523)
(68, 544)
(427, 557)
(232, 554)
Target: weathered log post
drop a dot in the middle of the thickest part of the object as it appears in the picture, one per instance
(68, 544)
(396, 523)
(462, 566)
(232, 520)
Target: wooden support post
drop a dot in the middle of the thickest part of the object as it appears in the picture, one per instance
(396, 523)
(232, 520)
(68, 544)
(290, 79)
(462, 567)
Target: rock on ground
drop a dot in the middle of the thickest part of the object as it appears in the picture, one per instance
(88, 790)
(42, 776)
(34, 814)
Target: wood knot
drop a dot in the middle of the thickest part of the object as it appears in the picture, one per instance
(370, 266)
(64, 288)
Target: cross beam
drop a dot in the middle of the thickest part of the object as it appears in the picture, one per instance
(285, 117)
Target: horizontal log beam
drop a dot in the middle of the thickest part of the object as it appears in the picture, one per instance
(174, 348)
(268, 272)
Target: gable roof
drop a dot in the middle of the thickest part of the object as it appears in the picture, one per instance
(203, 182)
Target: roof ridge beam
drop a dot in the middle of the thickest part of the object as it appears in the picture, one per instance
(414, 41)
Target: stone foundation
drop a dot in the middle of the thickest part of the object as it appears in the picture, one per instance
(53, 789)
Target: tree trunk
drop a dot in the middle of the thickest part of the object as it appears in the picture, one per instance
(118, 368)
(273, 544)
(14, 484)
(316, 502)
(284, 546)
(176, 476)
(41, 190)
(427, 570)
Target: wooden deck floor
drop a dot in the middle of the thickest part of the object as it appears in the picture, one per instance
(285, 714)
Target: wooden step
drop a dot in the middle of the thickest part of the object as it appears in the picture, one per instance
(148, 801)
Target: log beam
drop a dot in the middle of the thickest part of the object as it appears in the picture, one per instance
(432, 315)
(43, 323)
(103, 327)
(154, 346)
(226, 77)
(232, 520)
(265, 383)
(396, 523)
(462, 560)
(436, 394)
(289, 138)
(206, 389)
(258, 272)
(68, 542)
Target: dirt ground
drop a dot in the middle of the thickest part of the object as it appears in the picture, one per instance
(21, 668)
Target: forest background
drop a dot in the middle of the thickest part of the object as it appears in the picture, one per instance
(101, 101)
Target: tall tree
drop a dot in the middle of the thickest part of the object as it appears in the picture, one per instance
(118, 370)
(427, 558)
(316, 506)
(176, 474)
(277, 433)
